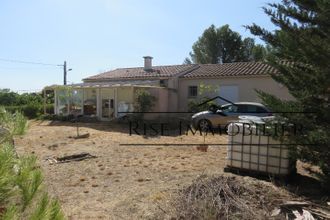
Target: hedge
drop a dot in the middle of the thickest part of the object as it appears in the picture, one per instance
(31, 110)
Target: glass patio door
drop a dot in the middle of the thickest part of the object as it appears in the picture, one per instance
(107, 104)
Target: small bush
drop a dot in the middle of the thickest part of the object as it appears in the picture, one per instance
(32, 110)
(53, 117)
(49, 109)
(144, 102)
(13, 109)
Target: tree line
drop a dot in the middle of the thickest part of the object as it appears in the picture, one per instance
(10, 98)
(30, 104)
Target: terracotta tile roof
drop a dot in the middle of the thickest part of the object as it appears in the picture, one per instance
(187, 71)
(140, 73)
(230, 69)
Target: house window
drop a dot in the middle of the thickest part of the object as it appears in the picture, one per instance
(192, 91)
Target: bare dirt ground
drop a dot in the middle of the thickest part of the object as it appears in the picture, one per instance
(123, 182)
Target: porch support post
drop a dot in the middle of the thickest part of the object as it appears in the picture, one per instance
(98, 103)
(116, 102)
(82, 100)
(132, 93)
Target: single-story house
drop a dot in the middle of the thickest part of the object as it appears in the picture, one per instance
(107, 94)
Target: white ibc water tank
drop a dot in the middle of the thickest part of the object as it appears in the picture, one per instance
(253, 150)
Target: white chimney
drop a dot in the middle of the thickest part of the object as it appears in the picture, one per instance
(147, 63)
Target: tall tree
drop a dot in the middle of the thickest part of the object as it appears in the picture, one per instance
(187, 61)
(222, 45)
(248, 44)
(259, 52)
(230, 45)
(206, 49)
(300, 52)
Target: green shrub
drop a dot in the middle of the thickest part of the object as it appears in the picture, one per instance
(49, 109)
(32, 110)
(13, 108)
(144, 102)
(53, 117)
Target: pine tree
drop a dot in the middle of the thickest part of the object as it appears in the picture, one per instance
(222, 45)
(300, 52)
(20, 180)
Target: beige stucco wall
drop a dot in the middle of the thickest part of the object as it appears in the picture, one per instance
(246, 88)
(125, 94)
(161, 95)
(173, 94)
(161, 104)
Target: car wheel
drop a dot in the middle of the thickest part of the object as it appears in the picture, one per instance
(204, 125)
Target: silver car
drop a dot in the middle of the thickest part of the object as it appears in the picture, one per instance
(220, 117)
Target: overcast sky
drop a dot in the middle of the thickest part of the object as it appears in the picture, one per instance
(94, 36)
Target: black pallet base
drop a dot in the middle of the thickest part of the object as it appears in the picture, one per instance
(258, 174)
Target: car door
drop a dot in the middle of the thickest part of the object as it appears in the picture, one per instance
(263, 111)
(230, 112)
(251, 110)
(255, 110)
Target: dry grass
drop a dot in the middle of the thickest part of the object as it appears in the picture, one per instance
(121, 181)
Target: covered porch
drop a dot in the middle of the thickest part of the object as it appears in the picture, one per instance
(104, 100)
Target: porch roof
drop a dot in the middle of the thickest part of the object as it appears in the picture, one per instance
(130, 83)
